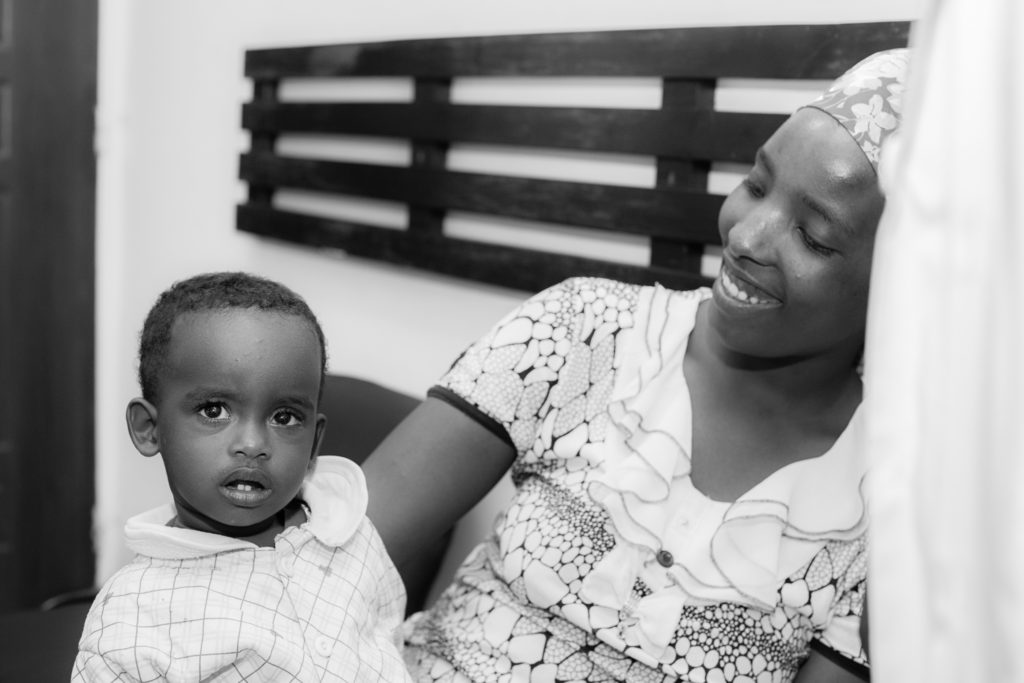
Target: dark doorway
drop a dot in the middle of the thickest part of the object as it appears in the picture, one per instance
(48, 65)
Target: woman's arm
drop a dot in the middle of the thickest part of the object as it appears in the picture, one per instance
(821, 669)
(865, 640)
(436, 465)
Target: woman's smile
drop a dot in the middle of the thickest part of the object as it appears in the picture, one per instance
(733, 286)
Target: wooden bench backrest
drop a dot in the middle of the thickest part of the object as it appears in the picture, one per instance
(685, 136)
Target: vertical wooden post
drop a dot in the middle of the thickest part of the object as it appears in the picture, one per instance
(264, 92)
(683, 95)
(429, 154)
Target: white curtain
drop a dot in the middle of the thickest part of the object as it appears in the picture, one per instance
(944, 362)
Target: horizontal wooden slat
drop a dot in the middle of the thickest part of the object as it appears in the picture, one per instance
(663, 213)
(506, 266)
(684, 137)
(717, 136)
(817, 51)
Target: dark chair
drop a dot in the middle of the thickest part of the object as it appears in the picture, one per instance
(40, 645)
(359, 415)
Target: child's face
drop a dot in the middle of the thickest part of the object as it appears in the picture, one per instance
(236, 418)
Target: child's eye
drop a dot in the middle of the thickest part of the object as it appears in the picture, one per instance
(812, 244)
(214, 411)
(286, 418)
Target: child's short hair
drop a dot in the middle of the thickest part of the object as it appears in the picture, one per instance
(210, 292)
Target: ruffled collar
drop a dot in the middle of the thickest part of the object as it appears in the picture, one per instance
(335, 499)
(687, 548)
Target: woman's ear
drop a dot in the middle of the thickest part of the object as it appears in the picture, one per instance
(141, 418)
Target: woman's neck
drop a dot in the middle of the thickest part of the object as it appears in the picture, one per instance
(753, 416)
(812, 380)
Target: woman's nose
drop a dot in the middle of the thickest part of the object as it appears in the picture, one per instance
(251, 439)
(753, 234)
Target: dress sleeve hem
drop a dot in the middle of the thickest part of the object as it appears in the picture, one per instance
(841, 660)
(462, 405)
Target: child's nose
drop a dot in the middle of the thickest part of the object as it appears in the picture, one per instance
(251, 439)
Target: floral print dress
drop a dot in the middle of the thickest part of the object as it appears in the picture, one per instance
(608, 565)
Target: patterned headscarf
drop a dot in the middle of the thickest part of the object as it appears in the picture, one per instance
(868, 99)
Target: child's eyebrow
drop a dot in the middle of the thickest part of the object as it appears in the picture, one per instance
(207, 393)
(298, 400)
(200, 394)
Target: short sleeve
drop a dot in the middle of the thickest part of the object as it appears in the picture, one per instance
(542, 354)
(841, 634)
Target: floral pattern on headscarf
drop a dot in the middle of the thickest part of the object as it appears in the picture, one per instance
(867, 100)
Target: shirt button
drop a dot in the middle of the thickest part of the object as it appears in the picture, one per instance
(324, 646)
(287, 564)
(665, 558)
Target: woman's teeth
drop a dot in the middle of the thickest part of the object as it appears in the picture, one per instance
(734, 290)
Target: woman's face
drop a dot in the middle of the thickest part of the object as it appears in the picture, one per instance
(797, 239)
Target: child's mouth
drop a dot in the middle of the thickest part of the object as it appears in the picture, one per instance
(246, 489)
(245, 485)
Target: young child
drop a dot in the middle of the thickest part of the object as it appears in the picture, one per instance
(265, 566)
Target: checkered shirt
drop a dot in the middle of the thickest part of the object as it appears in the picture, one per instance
(323, 605)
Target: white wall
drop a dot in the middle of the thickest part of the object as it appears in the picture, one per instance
(168, 140)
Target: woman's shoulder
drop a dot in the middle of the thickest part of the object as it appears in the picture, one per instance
(603, 300)
(601, 286)
(574, 318)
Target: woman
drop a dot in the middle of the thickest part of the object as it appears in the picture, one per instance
(686, 464)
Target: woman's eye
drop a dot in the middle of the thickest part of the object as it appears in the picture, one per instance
(213, 411)
(814, 245)
(753, 188)
(286, 418)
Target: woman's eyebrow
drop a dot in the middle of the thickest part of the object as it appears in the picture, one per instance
(829, 216)
(761, 158)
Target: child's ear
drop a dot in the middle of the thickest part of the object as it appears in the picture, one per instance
(141, 417)
(321, 424)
